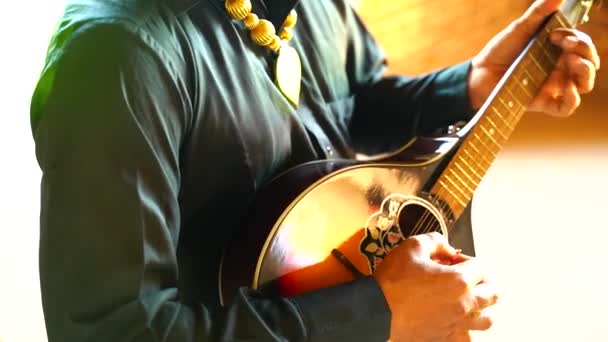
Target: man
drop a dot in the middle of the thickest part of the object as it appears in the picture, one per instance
(156, 122)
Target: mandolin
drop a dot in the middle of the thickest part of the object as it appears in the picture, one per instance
(326, 222)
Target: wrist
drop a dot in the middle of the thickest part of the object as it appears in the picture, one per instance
(480, 83)
(475, 98)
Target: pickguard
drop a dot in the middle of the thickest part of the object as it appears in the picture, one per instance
(398, 217)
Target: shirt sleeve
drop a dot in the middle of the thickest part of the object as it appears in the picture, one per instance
(390, 110)
(108, 117)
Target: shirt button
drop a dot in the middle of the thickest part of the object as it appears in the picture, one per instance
(329, 150)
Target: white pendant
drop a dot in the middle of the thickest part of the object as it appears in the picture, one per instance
(288, 73)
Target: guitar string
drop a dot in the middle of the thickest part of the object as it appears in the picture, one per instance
(547, 58)
(510, 119)
(428, 222)
(513, 116)
(427, 218)
(424, 222)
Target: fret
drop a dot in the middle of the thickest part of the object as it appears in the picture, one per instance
(538, 65)
(445, 187)
(474, 160)
(471, 168)
(555, 22)
(542, 77)
(509, 88)
(496, 128)
(549, 53)
(475, 173)
(515, 98)
(551, 57)
(489, 135)
(484, 143)
(465, 173)
(465, 184)
(515, 115)
(466, 196)
(501, 116)
(509, 107)
(560, 21)
(535, 84)
(479, 153)
(523, 85)
(542, 45)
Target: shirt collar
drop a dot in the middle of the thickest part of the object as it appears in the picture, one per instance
(278, 11)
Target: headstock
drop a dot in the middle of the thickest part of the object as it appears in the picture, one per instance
(577, 11)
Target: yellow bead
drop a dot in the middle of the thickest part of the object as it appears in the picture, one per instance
(286, 35)
(238, 9)
(291, 19)
(264, 33)
(251, 21)
(275, 45)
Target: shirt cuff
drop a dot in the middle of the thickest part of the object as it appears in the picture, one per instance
(354, 311)
(451, 95)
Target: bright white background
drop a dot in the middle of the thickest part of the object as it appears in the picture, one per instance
(25, 28)
(540, 215)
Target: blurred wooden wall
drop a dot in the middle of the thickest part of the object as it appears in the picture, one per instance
(423, 35)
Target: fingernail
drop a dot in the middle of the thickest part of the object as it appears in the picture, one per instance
(569, 42)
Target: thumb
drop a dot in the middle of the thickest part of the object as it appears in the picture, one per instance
(431, 245)
(536, 14)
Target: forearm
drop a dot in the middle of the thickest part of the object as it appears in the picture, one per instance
(394, 109)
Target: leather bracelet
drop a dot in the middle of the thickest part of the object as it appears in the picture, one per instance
(349, 265)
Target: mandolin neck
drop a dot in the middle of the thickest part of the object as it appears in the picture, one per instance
(485, 135)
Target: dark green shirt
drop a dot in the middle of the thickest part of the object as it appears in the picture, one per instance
(155, 123)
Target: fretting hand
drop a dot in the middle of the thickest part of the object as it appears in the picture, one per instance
(573, 75)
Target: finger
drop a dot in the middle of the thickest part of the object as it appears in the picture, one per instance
(430, 245)
(582, 71)
(452, 259)
(470, 272)
(576, 42)
(559, 106)
(458, 258)
(558, 95)
(562, 105)
(485, 295)
(568, 102)
(536, 14)
(462, 335)
(478, 320)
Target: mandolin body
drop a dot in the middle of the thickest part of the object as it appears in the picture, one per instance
(362, 208)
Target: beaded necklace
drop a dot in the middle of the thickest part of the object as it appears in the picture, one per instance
(288, 68)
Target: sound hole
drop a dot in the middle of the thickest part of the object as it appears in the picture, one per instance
(416, 219)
